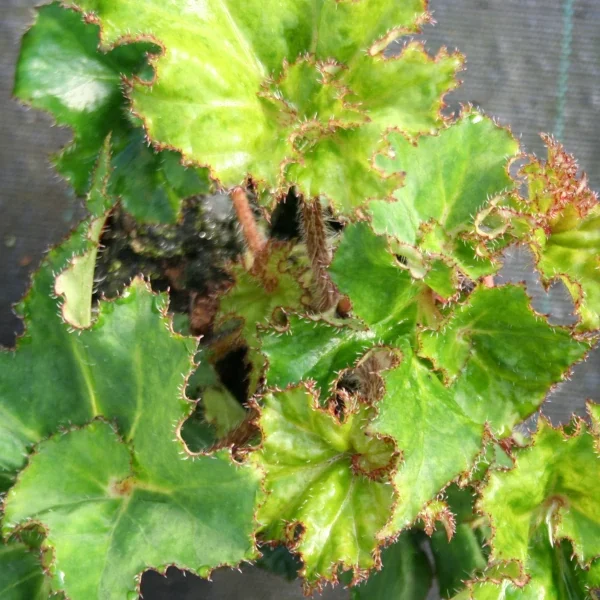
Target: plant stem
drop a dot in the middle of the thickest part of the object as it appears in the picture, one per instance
(253, 236)
(315, 236)
(488, 281)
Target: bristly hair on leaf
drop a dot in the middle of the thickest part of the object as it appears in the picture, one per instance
(352, 389)
(294, 105)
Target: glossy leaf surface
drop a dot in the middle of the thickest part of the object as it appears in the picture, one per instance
(361, 264)
(485, 350)
(427, 423)
(488, 350)
(319, 350)
(414, 378)
(107, 528)
(325, 483)
(168, 497)
(314, 349)
(554, 481)
(99, 495)
(232, 96)
(62, 71)
(449, 178)
(546, 504)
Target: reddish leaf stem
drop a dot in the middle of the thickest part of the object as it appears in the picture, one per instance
(315, 236)
(253, 236)
(488, 281)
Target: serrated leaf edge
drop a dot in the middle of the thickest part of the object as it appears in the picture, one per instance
(579, 427)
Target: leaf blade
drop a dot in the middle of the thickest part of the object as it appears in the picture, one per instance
(314, 483)
(61, 70)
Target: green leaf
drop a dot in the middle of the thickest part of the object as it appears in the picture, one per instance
(198, 434)
(216, 414)
(564, 229)
(489, 351)
(461, 558)
(554, 576)
(573, 255)
(449, 179)
(492, 372)
(417, 410)
(108, 519)
(327, 496)
(423, 80)
(251, 303)
(222, 410)
(464, 253)
(495, 456)
(129, 368)
(315, 96)
(312, 349)
(361, 264)
(340, 166)
(117, 490)
(405, 574)
(152, 185)
(225, 96)
(592, 579)
(538, 510)
(339, 169)
(427, 422)
(442, 279)
(257, 293)
(554, 482)
(31, 369)
(61, 70)
(318, 350)
(21, 575)
(457, 560)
